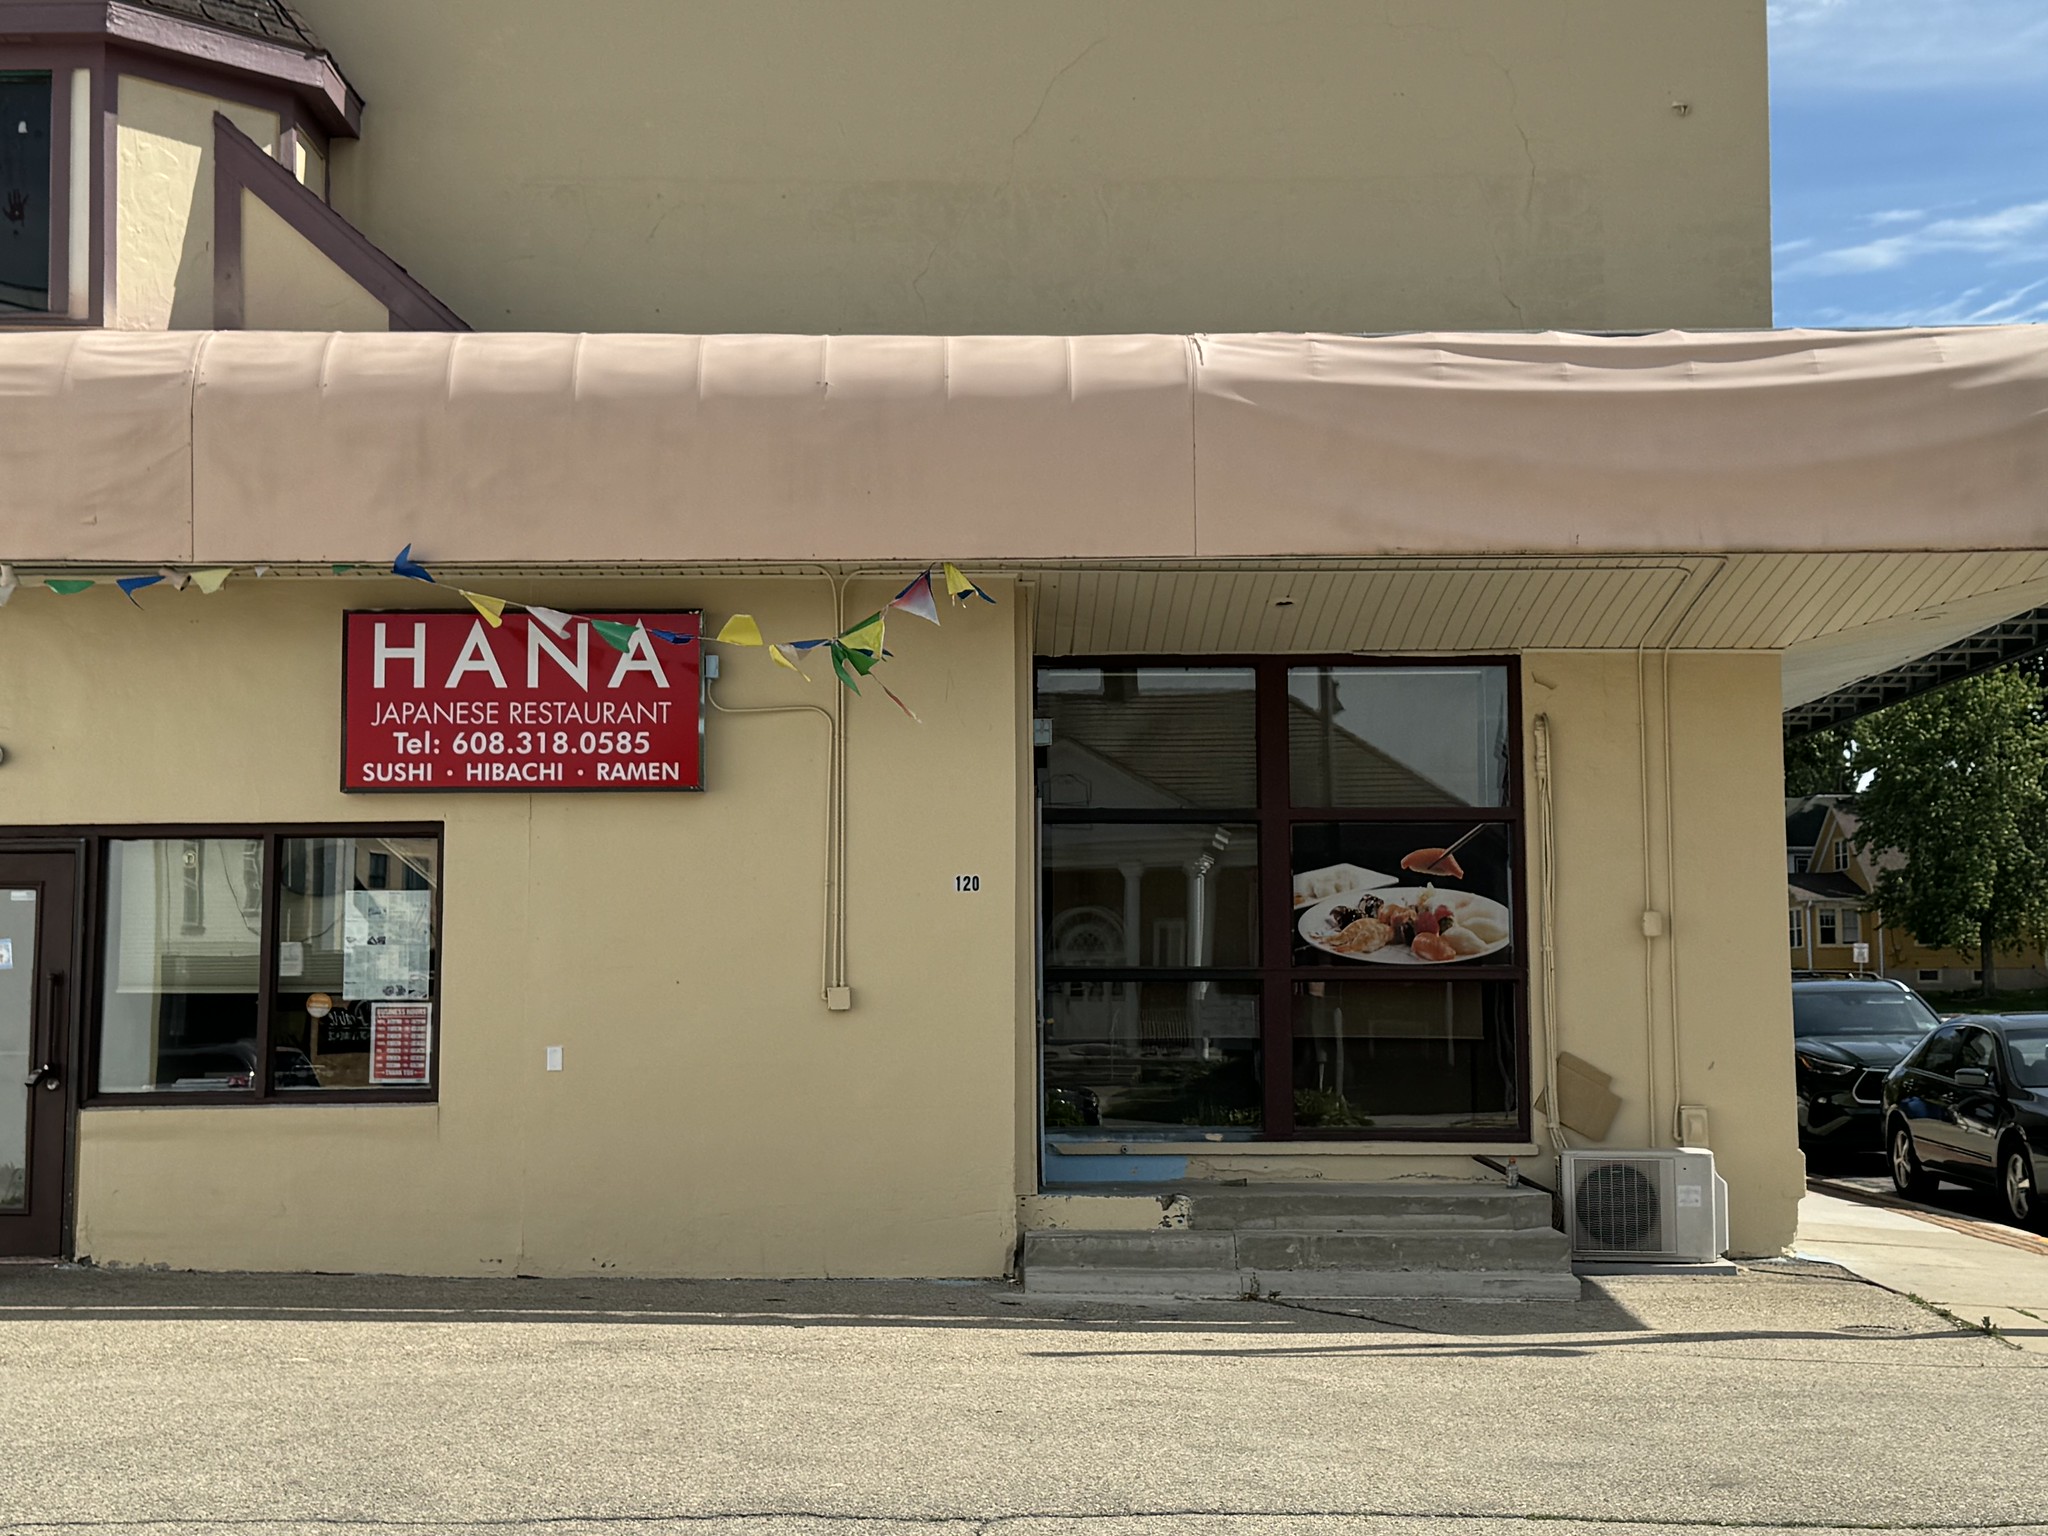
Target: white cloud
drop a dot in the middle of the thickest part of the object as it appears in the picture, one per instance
(2017, 306)
(1896, 216)
(1887, 44)
(2016, 233)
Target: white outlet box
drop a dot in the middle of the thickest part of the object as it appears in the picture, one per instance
(554, 1058)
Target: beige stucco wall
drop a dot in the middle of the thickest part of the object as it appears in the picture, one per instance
(713, 1117)
(1716, 876)
(1070, 165)
(164, 202)
(289, 285)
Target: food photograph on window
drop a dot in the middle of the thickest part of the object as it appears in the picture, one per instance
(1414, 895)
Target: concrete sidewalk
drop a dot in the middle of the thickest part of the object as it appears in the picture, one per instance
(1784, 1396)
(1979, 1270)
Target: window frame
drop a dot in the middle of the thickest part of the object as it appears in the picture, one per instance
(1798, 927)
(1827, 927)
(273, 836)
(1276, 817)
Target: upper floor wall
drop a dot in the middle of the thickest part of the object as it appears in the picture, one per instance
(1064, 166)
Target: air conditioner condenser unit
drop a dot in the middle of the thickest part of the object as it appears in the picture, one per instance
(1665, 1205)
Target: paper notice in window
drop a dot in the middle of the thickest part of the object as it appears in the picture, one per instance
(387, 945)
(401, 1043)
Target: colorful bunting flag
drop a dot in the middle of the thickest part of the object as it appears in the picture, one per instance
(262, 571)
(178, 579)
(9, 584)
(130, 585)
(343, 570)
(552, 618)
(741, 629)
(896, 701)
(492, 608)
(959, 588)
(917, 598)
(866, 636)
(614, 634)
(405, 565)
(65, 586)
(210, 582)
(779, 654)
(800, 646)
(672, 636)
(842, 659)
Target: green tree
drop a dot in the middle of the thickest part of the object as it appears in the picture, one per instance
(1958, 785)
(1819, 764)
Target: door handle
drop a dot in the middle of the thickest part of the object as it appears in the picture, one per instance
(44, 1076)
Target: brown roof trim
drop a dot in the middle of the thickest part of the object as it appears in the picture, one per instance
(312, 77)
(239, 165)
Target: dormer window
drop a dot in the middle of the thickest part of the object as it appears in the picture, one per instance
(25, 224)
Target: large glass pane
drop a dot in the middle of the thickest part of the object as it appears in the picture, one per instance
(25, 192)
(178, 991)
(1149, 1056)
(1151, 895)
(1397, 736)
(1407, 1055)
(355, 962)
(1149, 738)
(1402, 894)
(18, 910)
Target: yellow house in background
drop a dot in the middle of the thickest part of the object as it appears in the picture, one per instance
(1829, 886)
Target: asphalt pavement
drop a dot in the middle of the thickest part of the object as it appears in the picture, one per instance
(1787, 1396)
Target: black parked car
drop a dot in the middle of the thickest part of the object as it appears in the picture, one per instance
(1971, 1105)
(1847, 1034)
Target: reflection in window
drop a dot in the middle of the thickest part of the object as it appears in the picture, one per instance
(1151, 895)
(1139, 1056)
(179, 993)
(1397, 736)
(1149, 738)
(24, 192)
(355, 959)
(1427, 1055)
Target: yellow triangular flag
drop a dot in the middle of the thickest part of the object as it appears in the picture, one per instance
(209, 582)
(782, 658)
(957, 585)
(865, 636)
(492, 608)
(740, 629)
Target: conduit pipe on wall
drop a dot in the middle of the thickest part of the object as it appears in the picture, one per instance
(1546, 940)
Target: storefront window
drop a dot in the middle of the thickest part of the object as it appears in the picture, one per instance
(1149, 738)
(1126, 1056)
(180, 989)
(1397, 736)
(1330, 850)
(1406, 1055)
(257, 964)
(355, 947)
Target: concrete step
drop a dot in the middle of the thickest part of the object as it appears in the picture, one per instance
(1265, 1250)
(1365, 1207)
(1084, 1284)
(1310, 1240)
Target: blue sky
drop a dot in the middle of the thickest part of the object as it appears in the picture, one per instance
(1910, 161)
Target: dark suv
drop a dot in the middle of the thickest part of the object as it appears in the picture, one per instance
(1847, 1033)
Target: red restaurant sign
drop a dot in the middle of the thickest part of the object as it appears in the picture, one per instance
(436, 701)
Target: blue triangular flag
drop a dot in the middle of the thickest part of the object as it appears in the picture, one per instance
(130, 585)
(405, 565)
(673, 637)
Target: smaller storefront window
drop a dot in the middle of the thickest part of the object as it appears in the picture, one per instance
(1135, 1056)
(238, 967)
(1397, 736)
(1406, 1056)
(1138, 894)
(1150, 738)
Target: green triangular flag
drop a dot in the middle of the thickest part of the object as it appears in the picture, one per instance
(614, 634)
(65, 586)
(843, 658)
(341, 570)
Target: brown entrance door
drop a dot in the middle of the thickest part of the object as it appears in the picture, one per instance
(35, 1087)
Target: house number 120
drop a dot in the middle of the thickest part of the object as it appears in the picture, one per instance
(966, 884)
